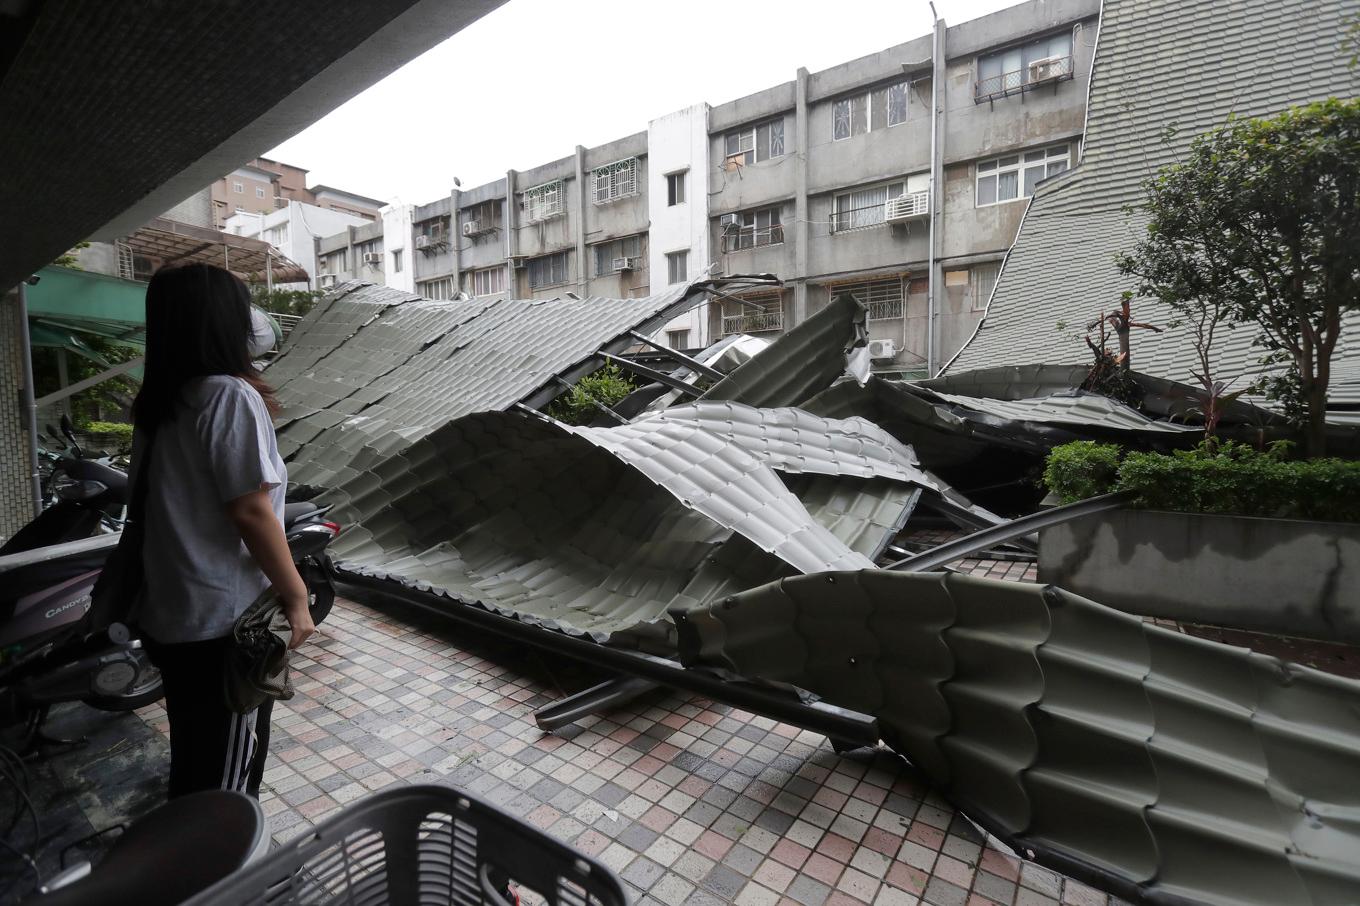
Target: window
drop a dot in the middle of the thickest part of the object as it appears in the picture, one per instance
(876, 109)
(277, 236)
(259, 191)
(677, 267)
(883, 298)
(748, 229)
(433, 231)
(608, 254)
(864, 208)
(1015, 175)
(1021, 68)
(487, 281)
(549, 270)
(615, 181)
(754, 313)
(396, 261)
(756, 143)
(338, 261)
(675, 189)
(440, 289)
(983, 282)
(237, 188)
(542, 202)
(677, 339)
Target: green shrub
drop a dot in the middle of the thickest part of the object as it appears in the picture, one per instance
(111, 430)
(1224, 478)
(1082, 469)
(608, 385)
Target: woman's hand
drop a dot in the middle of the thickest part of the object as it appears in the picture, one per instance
(299, 617)
(253, 515)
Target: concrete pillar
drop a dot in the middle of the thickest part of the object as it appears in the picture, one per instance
(937, 131)
(16, 499)
(800, 199)
(582, 271)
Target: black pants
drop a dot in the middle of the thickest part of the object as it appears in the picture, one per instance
(211, 747)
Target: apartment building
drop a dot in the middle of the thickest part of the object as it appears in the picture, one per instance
(354, 254)
(842, 181)
(266, 185)
(900, 177)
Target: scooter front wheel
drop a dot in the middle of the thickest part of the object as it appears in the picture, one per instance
(145, 689)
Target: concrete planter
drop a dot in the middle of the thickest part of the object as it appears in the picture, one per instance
(1272, 575)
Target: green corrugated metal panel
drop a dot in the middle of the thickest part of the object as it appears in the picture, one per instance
(69, 295)
(1165, 768)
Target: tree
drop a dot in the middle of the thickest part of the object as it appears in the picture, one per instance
(284, 301)
(1259, 222)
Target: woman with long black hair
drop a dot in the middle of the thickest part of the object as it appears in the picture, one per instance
(213, 523)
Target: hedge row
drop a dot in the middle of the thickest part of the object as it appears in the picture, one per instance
(1229, 479)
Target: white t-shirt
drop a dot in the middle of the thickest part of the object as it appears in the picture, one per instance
(219, 446)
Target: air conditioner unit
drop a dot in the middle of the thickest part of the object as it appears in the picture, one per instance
(882, 350)
(1047, 68)
(625, 264)
(519, 262)
(373, 259)
(908, 206)
(423, 241)
(472, 227)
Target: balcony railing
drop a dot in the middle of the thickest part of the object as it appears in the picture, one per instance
(750, 237)
(754, 322)
(1040, 72)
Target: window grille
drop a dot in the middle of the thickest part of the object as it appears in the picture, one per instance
(883, 298)
(616, 180)
(544, 201)
(875, 109)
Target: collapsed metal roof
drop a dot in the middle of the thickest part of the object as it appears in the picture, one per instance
(738, 534)
(1159, 766)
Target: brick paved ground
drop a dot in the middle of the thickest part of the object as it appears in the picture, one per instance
(691, 802)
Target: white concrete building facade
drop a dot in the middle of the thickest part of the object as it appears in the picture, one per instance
(677, 205)
(293, 230)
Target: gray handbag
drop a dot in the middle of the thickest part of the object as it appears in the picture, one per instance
(257, 663)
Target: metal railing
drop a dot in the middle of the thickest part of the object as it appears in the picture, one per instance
(901, 207)
(755, 322)
(750, 237)
(1054, 70)
(287, 322)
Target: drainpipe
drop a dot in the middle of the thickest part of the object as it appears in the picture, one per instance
(581, 191)
(800, 199)
(27, 401)
(456, 237)
(936, 172)
(511, 218)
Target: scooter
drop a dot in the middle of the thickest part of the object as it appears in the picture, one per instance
(50, 652)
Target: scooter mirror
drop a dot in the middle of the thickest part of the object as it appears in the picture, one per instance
(78, 491)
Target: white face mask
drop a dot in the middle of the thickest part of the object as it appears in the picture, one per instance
(262, 334)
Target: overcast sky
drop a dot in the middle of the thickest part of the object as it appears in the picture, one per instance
(527, 83)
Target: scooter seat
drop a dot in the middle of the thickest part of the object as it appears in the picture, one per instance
(173, 853)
